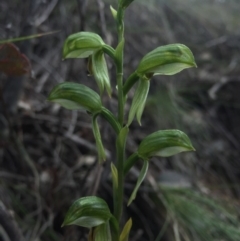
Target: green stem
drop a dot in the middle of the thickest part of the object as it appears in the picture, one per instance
(114, 228)
(132, 79)
(130, 162)
(120, 146)
(119, 64)
(109, 51)
(111, 119)
(120, 98)
(122, 136)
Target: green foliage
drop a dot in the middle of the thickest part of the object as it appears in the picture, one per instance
(139, 181)
(93, 212)
(126, 230)
(204, 219)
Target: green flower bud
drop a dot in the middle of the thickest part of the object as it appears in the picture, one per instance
(82, 45)
(139, 100)
(166, 60)
(88, 212)
(74, 96)
(164, 143)
(100, 71)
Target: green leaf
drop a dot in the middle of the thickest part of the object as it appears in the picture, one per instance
(97, 135)
(74, 96)
(164, 143)
(139, 100)
(139, 181)
(88, 212)
(82, 45)
(12, 61)
(126, 230)
(166, 60)
(100, 71)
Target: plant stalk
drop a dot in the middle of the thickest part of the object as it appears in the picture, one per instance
(119, 64)
(121, 139)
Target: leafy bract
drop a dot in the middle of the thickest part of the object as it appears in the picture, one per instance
(88, 212)
(74, 96)
(126, 230)
(139, 181)
(98, 138)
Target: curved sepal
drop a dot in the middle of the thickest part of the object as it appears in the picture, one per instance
(100, 72)
(139, 100)
(81, 45)
(164, 143)
(166, 60)
(74, 96)
(88, 212)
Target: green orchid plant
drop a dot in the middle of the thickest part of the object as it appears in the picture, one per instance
(93, 212)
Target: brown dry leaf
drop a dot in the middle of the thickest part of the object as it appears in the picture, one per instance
(12, 61)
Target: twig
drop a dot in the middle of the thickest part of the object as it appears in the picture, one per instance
(9, 225)
(103, 21)
(46, 13)
(25, 157)
(15, 176)
(98, 171)
(82, 5)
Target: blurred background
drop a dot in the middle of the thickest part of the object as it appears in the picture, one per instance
(48, 154)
